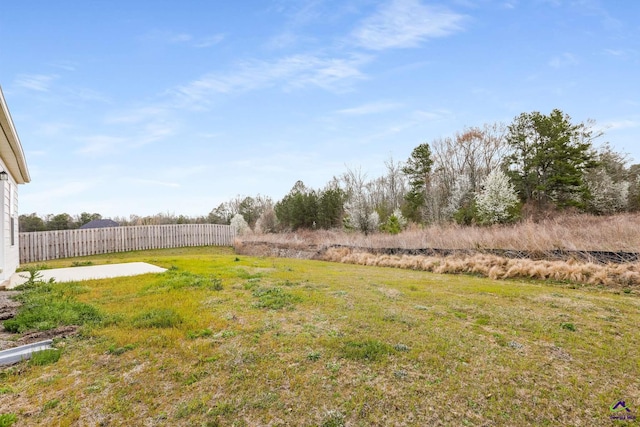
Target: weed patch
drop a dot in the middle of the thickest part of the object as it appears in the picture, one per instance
(201, 333)
(368, 350)
(175, 279)
(158, 318)
(81, 263)
(117, 351)
(7, 420)
(333, 419)
(195, 406)
(45, 357)
(274, 298)
(53, 403)
(46, 306)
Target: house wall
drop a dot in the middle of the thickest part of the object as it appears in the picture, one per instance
(9, 250)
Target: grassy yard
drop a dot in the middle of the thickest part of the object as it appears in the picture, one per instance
(229, 340)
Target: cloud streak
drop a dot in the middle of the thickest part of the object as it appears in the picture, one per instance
(292, 72)
(37, 82)
(405, 24)
(564, 60)
(174, 38)
(371, 108)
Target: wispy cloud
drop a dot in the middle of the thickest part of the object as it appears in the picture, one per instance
(153, 132)
(619, 124)
(171, 37)
(98, 145)
(49, 129)
(209, 41)
(621, 53)
(65, 65)
(283, 40)
(138, 114)
(156, 183)
(61, 189)
(291, 72)
(372, 108)
(37, 82)
(564, 60)
(81, 94)
(438, 114)
(140, 134)
(405, 24)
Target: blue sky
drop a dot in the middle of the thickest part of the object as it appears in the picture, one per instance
(141, 107)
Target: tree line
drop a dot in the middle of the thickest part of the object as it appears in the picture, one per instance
(491, 174)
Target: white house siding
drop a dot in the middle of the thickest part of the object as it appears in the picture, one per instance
(12, 161)
(9, 253)
(12, 255)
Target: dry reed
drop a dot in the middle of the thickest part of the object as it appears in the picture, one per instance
(618, 233)
(494, 267)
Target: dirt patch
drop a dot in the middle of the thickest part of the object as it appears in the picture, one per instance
(8, 306)
(8, 340)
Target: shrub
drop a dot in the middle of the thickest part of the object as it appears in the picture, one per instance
(395, 223)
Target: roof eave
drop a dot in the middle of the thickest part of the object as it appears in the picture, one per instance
(13, 155)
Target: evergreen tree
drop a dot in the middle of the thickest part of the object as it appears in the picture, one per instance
(299, 208)
(418, 170)
(549, 157)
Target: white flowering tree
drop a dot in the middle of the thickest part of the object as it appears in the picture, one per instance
(497, 200)
(359, 215)
(240, 225)
(607, 196)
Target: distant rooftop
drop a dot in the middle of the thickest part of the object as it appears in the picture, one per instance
(100, 223)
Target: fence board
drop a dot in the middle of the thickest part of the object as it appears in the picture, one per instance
(47, 245)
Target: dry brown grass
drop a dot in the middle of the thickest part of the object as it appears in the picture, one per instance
(568, 232)
(619, 233)
(612, 276)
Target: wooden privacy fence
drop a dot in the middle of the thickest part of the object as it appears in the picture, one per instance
(46, 245)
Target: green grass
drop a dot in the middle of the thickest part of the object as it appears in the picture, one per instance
(368, 350)
(157, 318)
(45, 357)
(49, 305)
(309, 343)
(7, 420)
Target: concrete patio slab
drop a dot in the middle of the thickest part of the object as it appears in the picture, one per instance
(73, 274)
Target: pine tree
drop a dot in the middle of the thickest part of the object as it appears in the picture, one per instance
(418, 170)
(549, 158)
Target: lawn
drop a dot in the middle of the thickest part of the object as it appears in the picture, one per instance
(229, 340)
